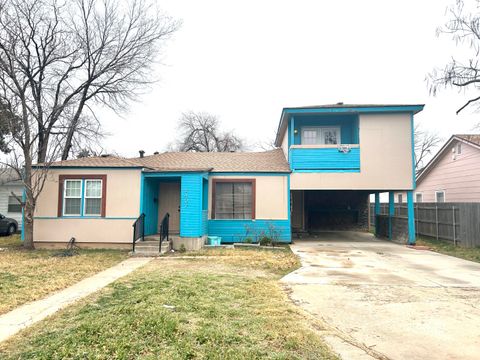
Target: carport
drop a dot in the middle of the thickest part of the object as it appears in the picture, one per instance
(314, 211)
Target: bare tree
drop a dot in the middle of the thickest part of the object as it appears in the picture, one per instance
(200, 133)
(463, 74)
(58, 61)
(425, 143)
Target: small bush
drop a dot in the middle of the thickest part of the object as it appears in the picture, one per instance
(265, 241)
(182, 248)
(248, 240)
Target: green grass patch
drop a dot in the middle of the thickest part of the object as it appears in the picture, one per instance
(28, 275)
(447, 248)
(178, 309)
(278, 261)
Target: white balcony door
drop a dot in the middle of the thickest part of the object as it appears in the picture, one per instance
(320, 135)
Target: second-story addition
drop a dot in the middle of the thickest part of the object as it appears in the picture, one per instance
(340, 154)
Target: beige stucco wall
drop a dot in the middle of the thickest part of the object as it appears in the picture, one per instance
(122, 207)
(385, 158)
(271, 200)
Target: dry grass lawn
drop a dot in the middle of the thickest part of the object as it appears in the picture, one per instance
(228, 305)
(31, 275)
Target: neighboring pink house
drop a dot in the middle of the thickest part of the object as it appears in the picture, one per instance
(453, 174)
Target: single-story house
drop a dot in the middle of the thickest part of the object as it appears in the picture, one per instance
(11, 190)
(329, 159)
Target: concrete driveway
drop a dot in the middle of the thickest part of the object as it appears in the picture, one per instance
(389, 301)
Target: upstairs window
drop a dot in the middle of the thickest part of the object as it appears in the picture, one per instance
(82, 195)
(233, 199)
(319, 135)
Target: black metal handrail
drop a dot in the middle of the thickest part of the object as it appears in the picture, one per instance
(164, 230)
(138, 230)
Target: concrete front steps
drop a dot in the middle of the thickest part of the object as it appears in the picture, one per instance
(150, 246)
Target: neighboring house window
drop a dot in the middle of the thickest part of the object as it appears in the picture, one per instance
(418, 197)
(440, 196)
(82, 195)
(400, 198)
(13, 205)
(459, 148)
(320, 135)
(233, 199)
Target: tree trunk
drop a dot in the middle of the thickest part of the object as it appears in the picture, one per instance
(28, 223)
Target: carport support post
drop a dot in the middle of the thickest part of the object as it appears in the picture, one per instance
(391, 212)
(377, 211)
(411, 218)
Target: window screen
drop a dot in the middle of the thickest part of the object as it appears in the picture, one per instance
(72, 197)
(233, 200)
(93, 197)
(13, 205)
(440, 196)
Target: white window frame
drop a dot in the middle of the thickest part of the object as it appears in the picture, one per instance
(65, 197)
(320, 130)
(459, 148)
(85, 197)
(439, 192)
(421, 197)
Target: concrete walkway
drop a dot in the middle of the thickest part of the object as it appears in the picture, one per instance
(28, 314)
(382, 300)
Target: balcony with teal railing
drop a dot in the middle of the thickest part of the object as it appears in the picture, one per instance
(324, 143)
(325, 158)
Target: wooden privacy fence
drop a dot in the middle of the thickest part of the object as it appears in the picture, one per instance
(455, 222)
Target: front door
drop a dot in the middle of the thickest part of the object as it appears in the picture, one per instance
(169, 201)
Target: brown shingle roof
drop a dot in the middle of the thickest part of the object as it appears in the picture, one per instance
(97, 161)
(267, 161)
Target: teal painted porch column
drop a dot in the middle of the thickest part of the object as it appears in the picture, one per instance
(411, 218)
(391, 212)
(191, 191)
(377, 211)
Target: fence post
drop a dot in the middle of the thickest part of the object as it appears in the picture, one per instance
(436, 219)
(453, 213)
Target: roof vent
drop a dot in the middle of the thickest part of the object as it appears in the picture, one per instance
(340, 103)
(156, 153)
(142, 153)
(105, 155)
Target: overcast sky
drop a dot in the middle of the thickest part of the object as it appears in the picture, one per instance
(246, 60)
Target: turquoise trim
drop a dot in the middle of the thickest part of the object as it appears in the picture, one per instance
(328, 171)
(377, 211)
(324, 159)
(411, 218)
(413, 151)
(82, 201)
(175, 174)
(82, 217)
(142, 181)
(353, 109)
(24, 198)
(246, 174)
(191, 205)
(291, 140)
(289, 207)
(391, 212)
(238, 230)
